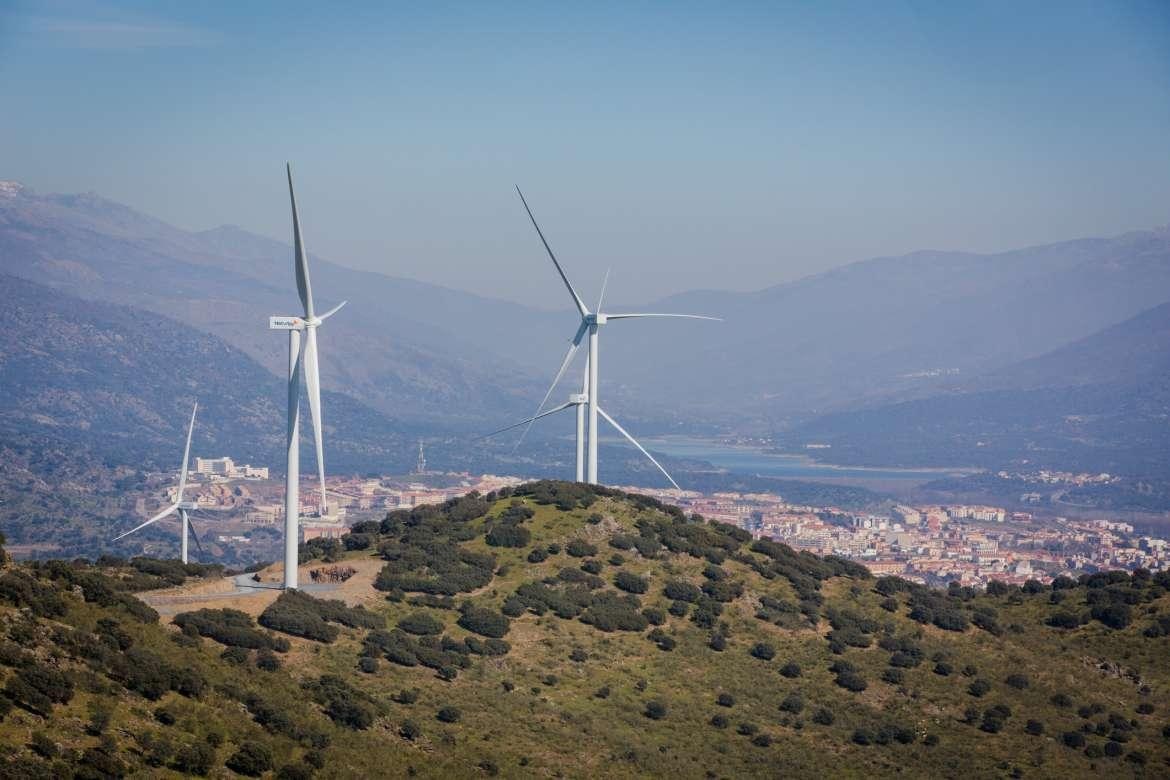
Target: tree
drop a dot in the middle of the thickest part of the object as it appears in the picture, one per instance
(579, 548)
(449, 714)
(679, 590)
(421, 624)
(508, 536)
(824, 717)
(655, 710)
(763, 651)
(791, 670)
(484, 622)
(252, 759)
(631, 583)
(195, 759)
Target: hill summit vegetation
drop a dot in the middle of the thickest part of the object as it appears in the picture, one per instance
(568, 630)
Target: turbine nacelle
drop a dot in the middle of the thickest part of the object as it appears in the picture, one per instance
(576, 399)
(596, 318)
(187, 506)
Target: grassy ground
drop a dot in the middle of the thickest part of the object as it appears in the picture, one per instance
(537, 712)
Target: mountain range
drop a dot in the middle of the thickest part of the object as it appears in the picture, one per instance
(878, 330)
(1100, 404)
(1050, 356)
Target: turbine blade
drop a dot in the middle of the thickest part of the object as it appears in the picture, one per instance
(576, 298)
(187, 452)
(634, 441)
(564, 365)
(332, 311)
(683, 316)
(304, 288)
(529, 421)
(154, 519)
(313, 388)
(604, 283)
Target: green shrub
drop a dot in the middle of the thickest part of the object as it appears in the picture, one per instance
(679, 590)
(823, 717)
(579, 548)
(449, 714)
(764, 651)
(655, 710)
(978, 688)
(195, 759)
(227, 626)
(484, 622)
(631, 583)
(792, 703)
(252, 759)
(508, 536)
(420, 624)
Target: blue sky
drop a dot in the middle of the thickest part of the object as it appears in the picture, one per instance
(725, 145)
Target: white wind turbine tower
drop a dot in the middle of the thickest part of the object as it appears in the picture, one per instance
(587, 402)
(296, 355)
(180, 506)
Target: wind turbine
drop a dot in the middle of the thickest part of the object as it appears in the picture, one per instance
(296, 356)
(586, 402)
(180, 506)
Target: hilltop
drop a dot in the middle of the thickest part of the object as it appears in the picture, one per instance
(569, 630)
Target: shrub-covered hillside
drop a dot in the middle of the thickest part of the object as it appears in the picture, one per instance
(567, 630)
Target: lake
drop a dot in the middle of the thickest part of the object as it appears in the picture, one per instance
(753, 460)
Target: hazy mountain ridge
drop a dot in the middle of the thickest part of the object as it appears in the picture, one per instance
(95, 248)
(874, 331)
(1101, 404)
(122, 381)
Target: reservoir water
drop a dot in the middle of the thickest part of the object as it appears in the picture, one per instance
(753, 460)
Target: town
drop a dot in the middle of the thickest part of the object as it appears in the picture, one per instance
(936, 545)
(933, 544)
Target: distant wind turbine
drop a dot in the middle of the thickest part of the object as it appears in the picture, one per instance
(180, 506)
(586, 402)
(295, 325)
